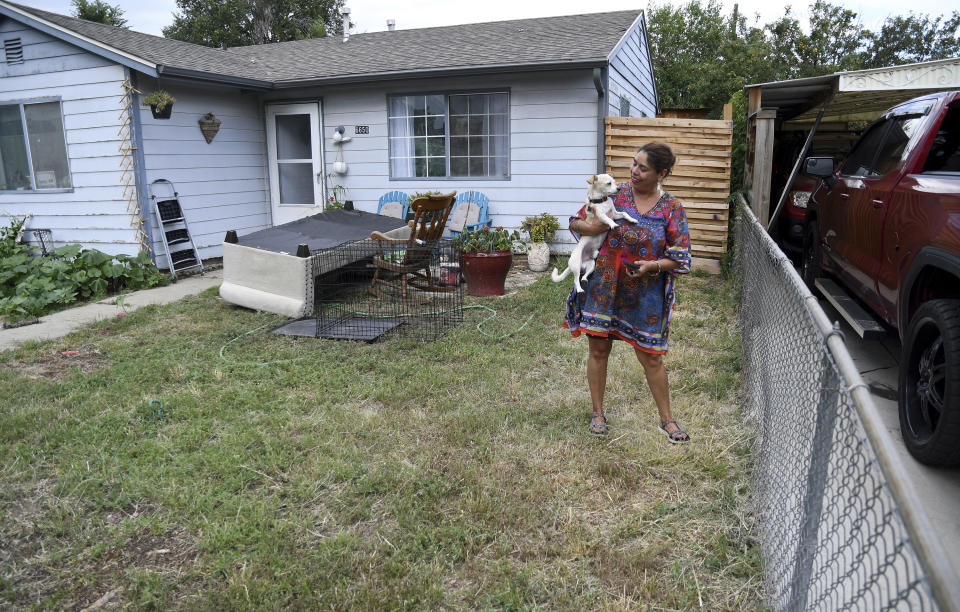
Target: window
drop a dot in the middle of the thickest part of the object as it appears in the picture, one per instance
(624, 106)
(882, 147)
(33, 152)
(449, 135)
(944, 153)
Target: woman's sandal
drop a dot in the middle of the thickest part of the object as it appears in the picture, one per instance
(677, 436)
(597, 427)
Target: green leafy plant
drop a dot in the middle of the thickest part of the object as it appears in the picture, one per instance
(424, 194)
(338, 195)
(487, 240)
(32, 285)
(541, 228)
(159, 99)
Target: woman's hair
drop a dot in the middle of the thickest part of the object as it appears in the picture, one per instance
(659, 156)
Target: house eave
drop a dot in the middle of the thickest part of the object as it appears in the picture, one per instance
(209, 77)
(448, 71)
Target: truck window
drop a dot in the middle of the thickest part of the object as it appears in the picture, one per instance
(860, 160)
(944, 153)
(899, 134)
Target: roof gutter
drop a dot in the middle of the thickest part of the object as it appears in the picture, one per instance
(368, 77)
(599, 77)
(87, 44)
(212, 77)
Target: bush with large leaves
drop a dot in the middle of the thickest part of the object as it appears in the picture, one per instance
(32, 285)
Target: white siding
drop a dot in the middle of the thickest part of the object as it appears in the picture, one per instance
(631, 75)
(94, 212)
(553, 143)
(221, 185)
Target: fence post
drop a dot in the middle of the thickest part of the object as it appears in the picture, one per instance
(820, 450)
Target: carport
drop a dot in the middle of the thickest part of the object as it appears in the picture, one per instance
(833, 107)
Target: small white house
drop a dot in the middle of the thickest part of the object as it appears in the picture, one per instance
(513, 109)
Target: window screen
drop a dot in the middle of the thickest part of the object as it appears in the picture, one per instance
(35, 158)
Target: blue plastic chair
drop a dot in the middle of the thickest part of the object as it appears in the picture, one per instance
(471, 211)
(394, 204)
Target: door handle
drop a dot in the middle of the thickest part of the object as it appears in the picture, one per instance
(844, 196)
(877, 203)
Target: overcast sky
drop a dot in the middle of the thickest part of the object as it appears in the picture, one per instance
(372, 15)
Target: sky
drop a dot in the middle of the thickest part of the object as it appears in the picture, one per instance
(371, 15)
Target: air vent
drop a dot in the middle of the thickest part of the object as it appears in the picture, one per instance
(13, 50)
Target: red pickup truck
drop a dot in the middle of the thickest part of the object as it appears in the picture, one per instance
(884, 228)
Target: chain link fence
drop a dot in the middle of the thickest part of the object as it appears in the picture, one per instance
(831, 528)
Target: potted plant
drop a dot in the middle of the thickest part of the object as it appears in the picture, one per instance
(486, 258)
(160, 103)
(541, 229)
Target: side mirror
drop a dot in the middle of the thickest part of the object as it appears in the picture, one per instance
(819, 166)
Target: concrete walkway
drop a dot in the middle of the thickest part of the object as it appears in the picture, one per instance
(62, 323)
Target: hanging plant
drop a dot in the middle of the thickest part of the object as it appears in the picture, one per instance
(160, 103)
(209, 126)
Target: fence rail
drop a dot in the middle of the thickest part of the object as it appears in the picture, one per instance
(838, 520)
(700, 178)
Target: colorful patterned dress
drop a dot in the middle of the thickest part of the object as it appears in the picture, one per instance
(635, 309)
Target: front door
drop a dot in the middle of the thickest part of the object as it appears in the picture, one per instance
(295, 159)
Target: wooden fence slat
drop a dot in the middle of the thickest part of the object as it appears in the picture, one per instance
(667, 122)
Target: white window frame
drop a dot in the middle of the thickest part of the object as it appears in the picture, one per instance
(26, 142)
(448, 176)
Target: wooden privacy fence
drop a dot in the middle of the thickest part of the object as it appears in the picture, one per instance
(700, 178)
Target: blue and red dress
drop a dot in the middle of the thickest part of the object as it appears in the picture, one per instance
(638, 308)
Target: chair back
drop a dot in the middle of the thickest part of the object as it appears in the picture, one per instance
(430, 215)
(470, 211)
(393, 204)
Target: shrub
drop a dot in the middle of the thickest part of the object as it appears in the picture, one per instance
(31, 285)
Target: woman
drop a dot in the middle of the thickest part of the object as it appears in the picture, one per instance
(630, 294)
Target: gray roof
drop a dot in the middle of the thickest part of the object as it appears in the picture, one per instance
(576, 40)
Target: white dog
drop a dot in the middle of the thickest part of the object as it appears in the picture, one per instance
(583, 259)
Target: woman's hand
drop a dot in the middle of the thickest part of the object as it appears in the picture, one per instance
(642, 266)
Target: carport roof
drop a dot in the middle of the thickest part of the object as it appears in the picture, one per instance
(859, 95)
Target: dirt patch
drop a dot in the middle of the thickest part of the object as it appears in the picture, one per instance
(520, 276)
(59, 364)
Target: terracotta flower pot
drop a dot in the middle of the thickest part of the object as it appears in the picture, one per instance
(485, 273)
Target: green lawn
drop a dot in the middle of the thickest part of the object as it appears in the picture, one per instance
(322, 474)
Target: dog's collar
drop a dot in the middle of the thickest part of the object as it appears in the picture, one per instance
(598, 200)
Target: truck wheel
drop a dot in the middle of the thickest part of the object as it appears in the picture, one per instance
(930, 384)
(810, 262)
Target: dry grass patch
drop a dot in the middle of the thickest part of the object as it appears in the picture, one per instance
(400, 475)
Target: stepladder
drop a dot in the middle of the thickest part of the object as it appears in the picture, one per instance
(178, 245)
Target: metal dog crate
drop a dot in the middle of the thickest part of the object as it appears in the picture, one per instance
(345, 307)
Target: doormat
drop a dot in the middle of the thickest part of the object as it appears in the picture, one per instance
(338, 328)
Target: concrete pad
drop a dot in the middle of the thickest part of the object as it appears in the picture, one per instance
(938, 488)
(64, 322)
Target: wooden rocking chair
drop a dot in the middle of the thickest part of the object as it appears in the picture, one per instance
(404, 256)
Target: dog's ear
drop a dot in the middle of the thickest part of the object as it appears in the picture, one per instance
(590, 179)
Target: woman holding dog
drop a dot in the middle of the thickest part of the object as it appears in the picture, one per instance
(630, 294)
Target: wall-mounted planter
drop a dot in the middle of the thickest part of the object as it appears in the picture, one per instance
(209, 126)
(340, 167)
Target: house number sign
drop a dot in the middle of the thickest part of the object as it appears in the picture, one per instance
(361, 129)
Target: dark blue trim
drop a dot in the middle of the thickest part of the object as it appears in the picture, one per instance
(77, 42)
(140, 166)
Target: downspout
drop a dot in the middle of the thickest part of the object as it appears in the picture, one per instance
(140, 165)
(599, 78)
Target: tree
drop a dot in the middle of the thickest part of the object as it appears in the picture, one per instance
(914, 38)
(99, 11)
(253, 22)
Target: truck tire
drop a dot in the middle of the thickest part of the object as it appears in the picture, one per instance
(810, 260)
(930, 384)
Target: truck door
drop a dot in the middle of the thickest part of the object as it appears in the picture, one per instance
(852, 222)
